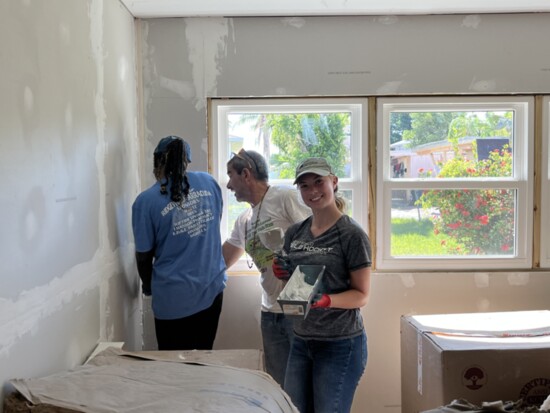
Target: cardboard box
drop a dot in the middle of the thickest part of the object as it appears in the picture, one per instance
(479, 357)
(295, 299)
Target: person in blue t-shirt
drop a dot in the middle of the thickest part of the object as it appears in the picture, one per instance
(176, 224)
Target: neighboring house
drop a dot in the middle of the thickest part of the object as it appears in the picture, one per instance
(442, 151)
(407, 162)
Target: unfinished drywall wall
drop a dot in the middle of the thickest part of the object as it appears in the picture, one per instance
(68, 173)
(184, 61)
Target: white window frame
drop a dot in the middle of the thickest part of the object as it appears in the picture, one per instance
(358, 179)
(522, 181)
(545, 186)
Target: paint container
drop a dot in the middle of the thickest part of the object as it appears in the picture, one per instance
(297, 296)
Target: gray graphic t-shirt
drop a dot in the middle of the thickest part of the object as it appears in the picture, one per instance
(343, 248)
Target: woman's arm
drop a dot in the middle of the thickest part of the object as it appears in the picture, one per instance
(357, 296)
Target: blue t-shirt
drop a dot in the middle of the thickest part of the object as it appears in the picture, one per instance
(188, 269)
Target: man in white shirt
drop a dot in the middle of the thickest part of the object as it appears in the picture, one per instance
(272, 207)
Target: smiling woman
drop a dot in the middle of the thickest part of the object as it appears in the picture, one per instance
(329, 349)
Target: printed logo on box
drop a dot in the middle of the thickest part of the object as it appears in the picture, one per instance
(535, 391)
(474, 378)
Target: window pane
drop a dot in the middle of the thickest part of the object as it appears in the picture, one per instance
(451, 144)
(347, 194)
(285, 132)
(234, 209)
(453, 223)
(285, 139)
(456, 183)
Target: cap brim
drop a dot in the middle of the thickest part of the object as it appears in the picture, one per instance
(320, 172)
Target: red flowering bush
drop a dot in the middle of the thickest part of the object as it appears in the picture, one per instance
(480, 221)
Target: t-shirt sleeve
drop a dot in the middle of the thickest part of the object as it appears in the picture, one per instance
(237, 237)
(359, 254)
(142, 225)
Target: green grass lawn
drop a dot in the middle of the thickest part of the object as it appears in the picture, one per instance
(411, 237)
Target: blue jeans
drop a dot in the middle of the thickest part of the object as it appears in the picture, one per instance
(322, 376)
(277, 334)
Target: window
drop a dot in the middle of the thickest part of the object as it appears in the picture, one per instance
(286, 131)
(454, 183)
(545, 184)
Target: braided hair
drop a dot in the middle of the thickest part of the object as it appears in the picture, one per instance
(171, 158)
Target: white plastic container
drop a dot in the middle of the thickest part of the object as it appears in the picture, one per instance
(297, 296)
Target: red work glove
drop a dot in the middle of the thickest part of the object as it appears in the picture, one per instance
(321, 301)
(280, 269)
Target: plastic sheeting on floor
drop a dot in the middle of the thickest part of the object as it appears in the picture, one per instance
(117, 381)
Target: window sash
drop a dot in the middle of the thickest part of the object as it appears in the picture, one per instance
(521, 181)
(356, 182)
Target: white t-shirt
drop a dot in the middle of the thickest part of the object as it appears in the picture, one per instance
(281, 207)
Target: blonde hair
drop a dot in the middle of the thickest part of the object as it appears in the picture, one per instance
(340, 201)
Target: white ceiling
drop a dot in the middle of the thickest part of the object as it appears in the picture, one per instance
(233, 8)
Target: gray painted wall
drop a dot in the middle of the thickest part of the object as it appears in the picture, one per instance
(68, 173)
(184, 61)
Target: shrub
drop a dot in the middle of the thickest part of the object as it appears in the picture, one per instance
(480, 222)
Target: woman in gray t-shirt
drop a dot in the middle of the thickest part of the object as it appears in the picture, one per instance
(329, 351)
